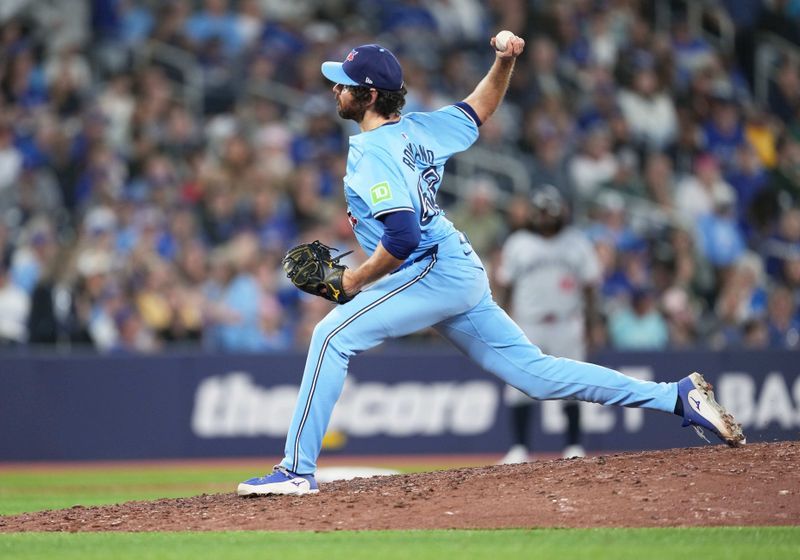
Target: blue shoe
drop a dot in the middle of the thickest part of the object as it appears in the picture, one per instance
(702, 412)
(281, 481)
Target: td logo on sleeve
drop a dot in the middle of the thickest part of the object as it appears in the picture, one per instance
(380, 193)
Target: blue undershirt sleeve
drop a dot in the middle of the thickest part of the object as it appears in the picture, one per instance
(401, 233)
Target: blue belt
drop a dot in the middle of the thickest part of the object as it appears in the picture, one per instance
(429, 253)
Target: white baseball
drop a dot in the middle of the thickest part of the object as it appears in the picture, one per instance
(501, 40)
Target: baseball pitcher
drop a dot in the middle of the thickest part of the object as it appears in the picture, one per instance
(422, 272)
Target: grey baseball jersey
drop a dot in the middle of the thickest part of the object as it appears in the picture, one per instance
(547, 275)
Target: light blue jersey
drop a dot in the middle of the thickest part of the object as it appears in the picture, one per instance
(398, 167)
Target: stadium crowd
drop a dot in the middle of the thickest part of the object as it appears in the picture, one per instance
(146, 201)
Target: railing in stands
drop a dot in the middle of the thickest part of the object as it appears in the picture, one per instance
(770, 49)
(706, 18)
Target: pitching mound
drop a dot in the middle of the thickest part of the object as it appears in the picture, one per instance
(703, 486)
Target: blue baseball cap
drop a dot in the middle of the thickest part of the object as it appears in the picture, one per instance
(367, 65)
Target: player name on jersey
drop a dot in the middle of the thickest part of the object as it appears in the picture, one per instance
(414, 155)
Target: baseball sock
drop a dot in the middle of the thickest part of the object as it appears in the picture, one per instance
(519, 423)
(679, 407)
(573, 413)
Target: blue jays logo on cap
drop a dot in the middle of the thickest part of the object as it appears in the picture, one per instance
(367, 65)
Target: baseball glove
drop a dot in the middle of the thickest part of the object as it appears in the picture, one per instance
(311, 268)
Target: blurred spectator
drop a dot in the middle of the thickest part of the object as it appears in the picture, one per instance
(782, 321)
(10, 159)
(696, 193)
(691, 51)
(68, 67)
(23, 82)
(105, 301)
(14, 307)
(219, 77)
(249, 19)
(747, 177)
(688, 146)
(36, 248)
(681, 315)
(761, 132)
(784, 93)
(719, 238)
(724, 131)
(274, 323)
(595, 164)
(133, 337)
(54, 317)
(237, 299)
(476, 216)
(784, 180)
(163, 308)
(611, 222)
(550, 164)
(494, 138)
(742, 298)
(117, 104)
(543, 76)
(639, 326)
(784, 245)
(755, 334)
(659, 180)
(321, 139)
(648, 109)
(215, 22)
(308, 206)
(459, 21)
(170, 24)
(600, 107)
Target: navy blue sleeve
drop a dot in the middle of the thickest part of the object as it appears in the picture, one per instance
(467, 108)
(401, 233)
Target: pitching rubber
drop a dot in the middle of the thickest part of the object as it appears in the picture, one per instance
(275, 488)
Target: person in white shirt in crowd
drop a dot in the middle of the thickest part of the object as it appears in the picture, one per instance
(696, 193)
(14, 307)
(595, 164)
(648, 109)
(10, 159)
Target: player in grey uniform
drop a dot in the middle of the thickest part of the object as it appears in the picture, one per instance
(549, 274)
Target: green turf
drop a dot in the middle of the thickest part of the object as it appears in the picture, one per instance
(731, 543)
(39, 490)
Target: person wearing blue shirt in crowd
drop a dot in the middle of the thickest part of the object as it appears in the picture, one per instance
(719, 238)
(215, 22)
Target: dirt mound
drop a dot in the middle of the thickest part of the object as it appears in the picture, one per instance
(701, 486)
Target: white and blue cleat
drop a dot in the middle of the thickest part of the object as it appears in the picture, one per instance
(702, 412)
(281, 481)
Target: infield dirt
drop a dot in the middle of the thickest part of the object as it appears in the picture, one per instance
(758, 484)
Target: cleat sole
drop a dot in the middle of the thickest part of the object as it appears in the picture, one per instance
(731, 433)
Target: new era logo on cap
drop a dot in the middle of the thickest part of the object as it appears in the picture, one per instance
(367, 65)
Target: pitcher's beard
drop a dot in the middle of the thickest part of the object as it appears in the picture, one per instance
(354, 112)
